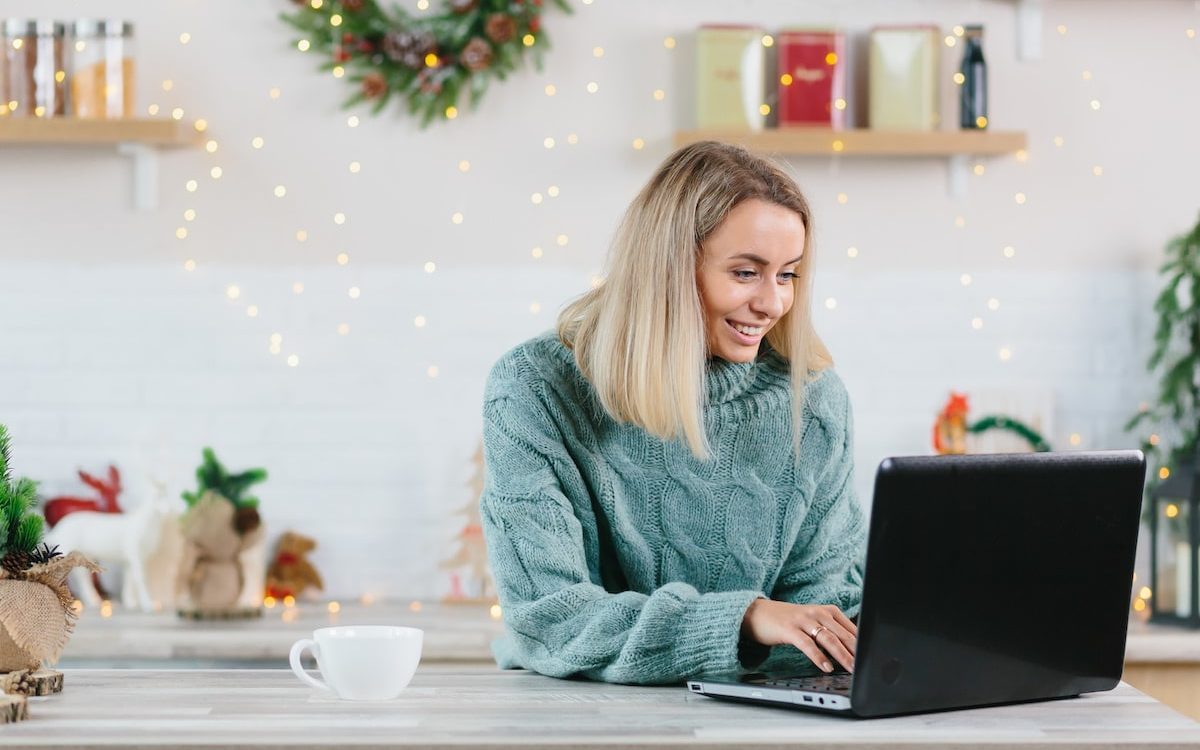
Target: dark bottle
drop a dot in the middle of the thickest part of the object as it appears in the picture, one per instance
(973, 109)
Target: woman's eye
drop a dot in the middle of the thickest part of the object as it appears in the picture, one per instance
(788, 276)
(745, 274)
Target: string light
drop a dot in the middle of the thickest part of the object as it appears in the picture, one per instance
(978, 170)
(593, 87)
(536, 252)
(638, 144)
(951, 41)
(185, 37)
(335, 20)
(1022, 155)
(177, 113)
(430, 267)
(1009, 251)
(1059, 141)
(232, 291)
(419, 321)
(433, 373)
(830, 303)
(495, 611)
(354, 292)
(659, 95)
(843, 199)
(764, 109)
(181, 233)
(457, 218)
(301, 235)
(528, 40)
(1075, 438)
(1005, 354)
(342, 259)
(535, 308)
(561, 240)
(1154, 440)
(189, 265)
(536, 198)
(280, 191)
(1087, 75)
(1098, 170)
(211, 147)
(252, 311)
(1062, 29)
(355, 167)
(298, 287)
(965, 279)
(152, 110)
(334, 608)
(768, 40)
(960, 221)
(852, 252)
(275, 93)
(339, 218)
(189, 215)
(1163, 472)
(191, 186)
(548, 142)
(216, 173)
(838, 145)
(552, 191)
(572, 139)
(167, 85)
(302, 45)
(464, 166)
(1020, 199)
(352, 121)
(1096, 105)
(597, 52)
(1172, 509)
(338, 71)
(451, 112)
(669, 42)
(343, 329)
(977, 323)
(257, 142)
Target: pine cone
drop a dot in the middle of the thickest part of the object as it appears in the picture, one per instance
(500, 27)
(477, 55)
(463, 6)
(17, 561)
(18, 682)
(408, 48)
(373, 85)
(246, 520)
(353, 6)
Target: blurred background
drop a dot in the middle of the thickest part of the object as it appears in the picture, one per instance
(321, 291)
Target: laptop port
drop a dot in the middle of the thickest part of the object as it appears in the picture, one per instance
(822, 700)
(695, 688)
(808, 699)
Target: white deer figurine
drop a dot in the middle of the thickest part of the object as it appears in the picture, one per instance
(125, 539)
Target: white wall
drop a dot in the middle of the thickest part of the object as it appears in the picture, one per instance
(111, 351)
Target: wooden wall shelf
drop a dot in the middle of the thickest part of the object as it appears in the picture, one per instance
(826, 142)
(958, 147)
(73, 131)
(138, 138)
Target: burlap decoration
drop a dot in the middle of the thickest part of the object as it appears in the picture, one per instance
(36, 613)
(212, 574)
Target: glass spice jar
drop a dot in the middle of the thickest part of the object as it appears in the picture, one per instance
(34, 68)
(102, 72)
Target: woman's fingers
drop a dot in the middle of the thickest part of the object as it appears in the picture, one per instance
(845, 622)
(829, 640)
(809, 648)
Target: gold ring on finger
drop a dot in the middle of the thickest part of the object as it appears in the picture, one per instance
(817, 631)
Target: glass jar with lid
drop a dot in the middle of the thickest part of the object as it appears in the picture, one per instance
(102, 72)
(34, 68)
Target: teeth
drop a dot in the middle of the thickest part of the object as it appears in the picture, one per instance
(748, 330)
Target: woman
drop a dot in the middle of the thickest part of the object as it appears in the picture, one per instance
(679, 449)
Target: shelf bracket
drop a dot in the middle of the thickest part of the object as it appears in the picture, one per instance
(145, 174)
(1029, 29)
(957, 174)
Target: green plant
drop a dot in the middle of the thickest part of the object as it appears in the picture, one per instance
(212, 476)
(1172, 422)
(21, 526)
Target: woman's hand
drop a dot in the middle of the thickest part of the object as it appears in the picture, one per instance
(821, 631)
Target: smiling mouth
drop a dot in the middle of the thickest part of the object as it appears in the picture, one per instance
(747, 338)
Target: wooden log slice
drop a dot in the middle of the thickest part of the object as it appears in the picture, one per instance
(214, 615)
(13, 708)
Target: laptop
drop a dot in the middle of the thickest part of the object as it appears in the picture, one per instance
(990, 579)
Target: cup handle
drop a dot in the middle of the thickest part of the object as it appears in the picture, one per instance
(294, 658)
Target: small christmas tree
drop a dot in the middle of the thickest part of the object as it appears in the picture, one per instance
(21, 527)
(470, 562)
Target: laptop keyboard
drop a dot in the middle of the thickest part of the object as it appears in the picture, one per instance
(834, 683)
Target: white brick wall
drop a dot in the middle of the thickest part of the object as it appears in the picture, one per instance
(143, 366)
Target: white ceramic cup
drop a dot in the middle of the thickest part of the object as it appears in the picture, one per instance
(361, 662)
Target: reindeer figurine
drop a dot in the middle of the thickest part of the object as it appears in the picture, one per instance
(57, 507)
(125, 539)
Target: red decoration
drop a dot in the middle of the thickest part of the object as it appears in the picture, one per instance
(57, 507)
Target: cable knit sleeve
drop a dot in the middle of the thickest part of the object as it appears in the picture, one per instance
(826, 562)
(560, 621)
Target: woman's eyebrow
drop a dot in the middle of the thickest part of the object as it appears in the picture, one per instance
(760, 260)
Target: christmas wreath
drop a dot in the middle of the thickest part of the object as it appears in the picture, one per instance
(429, 60)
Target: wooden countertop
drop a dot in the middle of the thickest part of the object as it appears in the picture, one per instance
(448, 706)
(453, 633)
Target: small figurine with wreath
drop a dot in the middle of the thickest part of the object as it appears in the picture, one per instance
(951, 428)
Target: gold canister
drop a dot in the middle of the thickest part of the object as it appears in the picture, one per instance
(102, 69)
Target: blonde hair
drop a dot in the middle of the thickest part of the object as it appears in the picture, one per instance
(639, 337)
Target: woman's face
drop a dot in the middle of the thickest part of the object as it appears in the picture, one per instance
(746, 276)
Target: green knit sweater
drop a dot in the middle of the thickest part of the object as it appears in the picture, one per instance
(621, 557)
